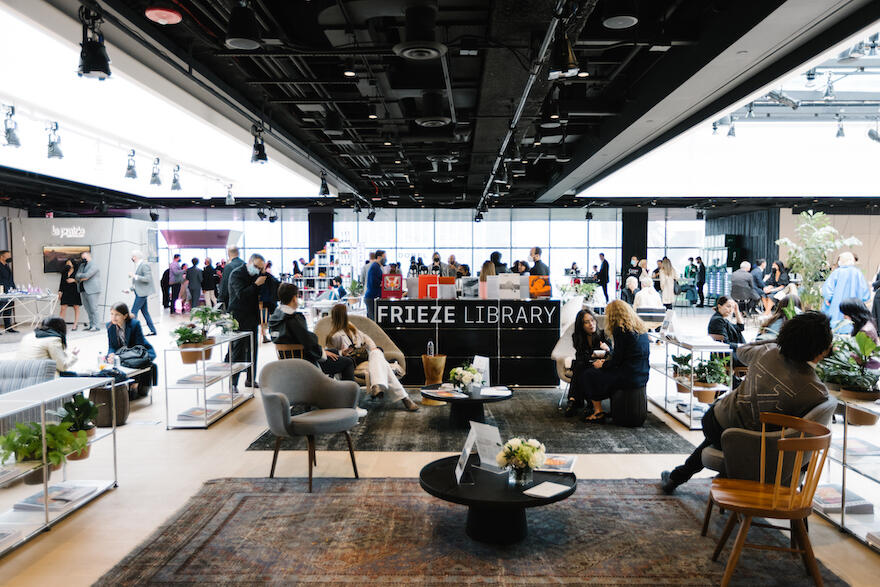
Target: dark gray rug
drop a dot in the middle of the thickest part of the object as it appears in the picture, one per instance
(390, 532)
(531, 413)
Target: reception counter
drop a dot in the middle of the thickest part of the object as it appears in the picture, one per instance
(517, 336)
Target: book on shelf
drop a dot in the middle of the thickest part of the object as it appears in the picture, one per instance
(197, 413)
(8, 535)
(855, 448)
(223, 398)
(195, 379)
(61, 497)
(558, 464)
(216, 368)
(828, 500)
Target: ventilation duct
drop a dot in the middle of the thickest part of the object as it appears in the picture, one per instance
(433, 115)
(421, 43)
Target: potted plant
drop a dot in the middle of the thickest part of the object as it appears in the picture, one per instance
(80, 412)
(25, 442)
(710, 375)
(579, 289)
(681, 371)
(853, 365)
(189, 336)
(522, 457)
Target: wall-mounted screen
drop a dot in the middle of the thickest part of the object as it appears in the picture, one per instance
(55, 257)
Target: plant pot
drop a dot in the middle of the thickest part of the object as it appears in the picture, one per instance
(35, 477)
(192, 357)
(682, 387)
(856, 416)
(704, 384)
(706, 396)
(859, 395)
(832, 386)
(84, 453)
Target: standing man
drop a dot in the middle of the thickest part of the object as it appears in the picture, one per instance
(373, 288)
(231, 265)
(244, 304)
(90, 290)
(194, 279)
(209, 284)
(165, 284)
(701, 281)
(500, 267)
(603, 275)
(175, 278)
(8, 284)
(538, 266)
(142, 285)
(366, 268)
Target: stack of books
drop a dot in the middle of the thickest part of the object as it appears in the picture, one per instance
(828, 499)
(61, 497)
(197, 413)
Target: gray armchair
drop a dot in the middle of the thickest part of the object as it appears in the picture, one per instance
(283, 383)
(15, 375)
(374, 331)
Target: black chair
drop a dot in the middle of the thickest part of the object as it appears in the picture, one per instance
(629, 407)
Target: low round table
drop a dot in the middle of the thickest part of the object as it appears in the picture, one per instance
(464, 409)
(496, 512)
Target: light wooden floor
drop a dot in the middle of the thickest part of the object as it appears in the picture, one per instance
(159, 470)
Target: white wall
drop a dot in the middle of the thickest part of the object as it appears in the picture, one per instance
(112, 241)
(864, 227)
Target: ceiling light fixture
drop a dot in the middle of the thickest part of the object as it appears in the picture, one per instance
(371, 215)
(620, 14)
(714, 128)
(163, 15)
(154, 176)
(230, 199)
(421, 41)
(583, 70)
(9, 126)
(563, 63)
(273, 215)
(325, 189)
(261, 214)
(93, 59)
(54, 148)
(731, 134)
(154, 216)
(243, 32)
(130, 171)
(333, 124)
(536, 140)
(840, 134)
(811, 77)
(348, 69)
(588, 215)
(259, 153)
(175, 179)
(386, 141)
(478, 216)
(373, 113)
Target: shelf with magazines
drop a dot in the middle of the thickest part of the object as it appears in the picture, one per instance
(334, 260)
(84, 468)
(679, 393)
(210, 383)
(849, 490)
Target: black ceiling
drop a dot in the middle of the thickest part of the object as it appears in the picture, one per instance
(441, 122)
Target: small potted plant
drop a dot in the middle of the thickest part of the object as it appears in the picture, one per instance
(465, 376)
(852, 365)
(25, 442)
(80, 412)
(189, 336)
(681, 371)
(710, 375)
(522, 457)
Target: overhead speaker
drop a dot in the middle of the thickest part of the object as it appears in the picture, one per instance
(421, 42)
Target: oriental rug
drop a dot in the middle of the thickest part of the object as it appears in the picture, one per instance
(530, 413)
(389, 531)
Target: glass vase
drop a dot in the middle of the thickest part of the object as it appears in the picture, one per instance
(519, 477)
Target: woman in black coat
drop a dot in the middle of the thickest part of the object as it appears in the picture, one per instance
(589, 343)
(68, 292)
(627, 365)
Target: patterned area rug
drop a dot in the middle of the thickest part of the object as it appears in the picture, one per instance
(256, 531)
(531, 413)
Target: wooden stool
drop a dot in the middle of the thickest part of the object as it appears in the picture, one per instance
(434, 367)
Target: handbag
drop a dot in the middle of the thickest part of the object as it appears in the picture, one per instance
(676, 288)
(359, 354)
(134, 357)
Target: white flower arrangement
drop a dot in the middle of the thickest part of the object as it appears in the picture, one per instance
(520, 453)
(465, 375)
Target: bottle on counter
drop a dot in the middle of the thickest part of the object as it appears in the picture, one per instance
(430, 348)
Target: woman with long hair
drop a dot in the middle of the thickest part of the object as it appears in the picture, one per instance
(123, 332)
(486, 270)
(48, 341)
(626, 366)
(353, 343)
(645, 279)
(770, 327)
(68, 292)
(590, 343)
(667, 282)
(776, 282)
(855, 311)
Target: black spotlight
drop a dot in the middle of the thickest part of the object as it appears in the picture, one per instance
(261, 214)
(273, 215)
(700, 215)
(154, 216)
(9, 127)
(589, 215)
(333, 124)
(243, 32)
(372, 215)
(54, 148)
(325, 190)
(259, 154)
(175, 179)
(102, 207)
(130, 171)
(478, 216)
(93, 59)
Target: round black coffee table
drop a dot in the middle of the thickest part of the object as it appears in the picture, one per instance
(496, 512)
(464, 409)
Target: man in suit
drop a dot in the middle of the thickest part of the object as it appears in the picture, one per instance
(234, 263)
(142, 285)
(175, 278)
(758, 277)
(603, 275)
(701, 281)
(287, 326)
(194, 278)
(8, 284)
(88, 278)
(244, 305)
(373, 288)
(742, 288)
(538, 267)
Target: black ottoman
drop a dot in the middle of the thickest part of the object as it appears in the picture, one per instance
(629, 407)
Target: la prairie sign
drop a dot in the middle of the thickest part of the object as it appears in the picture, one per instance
(68, 231)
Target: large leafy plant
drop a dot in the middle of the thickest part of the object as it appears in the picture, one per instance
(808, 257)
(355, 288)
(579, 289)
(207, 318)
(80, 412)
(25, 441)
(852, 363)
(712, 371)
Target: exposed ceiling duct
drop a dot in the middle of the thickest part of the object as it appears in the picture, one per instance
(421, 43)
(433, 115)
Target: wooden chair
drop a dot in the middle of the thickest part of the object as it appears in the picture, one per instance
(289, 351)
(792, 501)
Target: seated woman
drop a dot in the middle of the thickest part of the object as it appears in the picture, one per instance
(647, 297)
(776, 282)
(723, 330)
(353, 343)
(855, 311)
(124, 332)
(627, 365)
(48, 341)
(590, 344)
(770, 328)
(628, 293)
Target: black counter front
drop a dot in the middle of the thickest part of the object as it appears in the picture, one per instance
(517, 336)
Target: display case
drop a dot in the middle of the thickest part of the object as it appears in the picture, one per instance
(24, 512)
(678, 395)
(848, 494)
(204, 394)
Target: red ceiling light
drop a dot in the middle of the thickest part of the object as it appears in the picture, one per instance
(163, 15)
